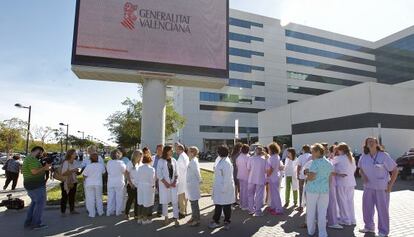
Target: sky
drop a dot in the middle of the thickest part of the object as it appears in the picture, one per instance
(36, 44)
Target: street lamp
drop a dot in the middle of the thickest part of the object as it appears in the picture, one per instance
(67, 134)
(83, 134)
(28, 124)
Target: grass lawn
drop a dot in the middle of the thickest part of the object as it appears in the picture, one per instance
(54, 194)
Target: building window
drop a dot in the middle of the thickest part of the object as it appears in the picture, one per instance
(244, 83)
(322, 40)
(243, 23)
(328, 54)
(244, 38)
(306, 90)
(227, 129)
(237, 67)
(258, 98)
(244, 53)
(321, 79)
(229, 98)
(329, 67)
(230, 109)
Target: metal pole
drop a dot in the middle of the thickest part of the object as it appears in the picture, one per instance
(67, 137)
(28, 130)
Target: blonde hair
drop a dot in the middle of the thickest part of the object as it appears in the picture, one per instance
(92, 149)
(137, 156)
(317, 147)
(193, 150)
(346, 150)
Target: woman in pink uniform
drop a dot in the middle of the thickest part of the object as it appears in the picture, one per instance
(273, 174)
(375, 166)
(332, 213)
(345, 184)
(243, 176)
(258, 167)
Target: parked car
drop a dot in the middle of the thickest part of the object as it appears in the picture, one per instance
(405, 164)
(3, 159)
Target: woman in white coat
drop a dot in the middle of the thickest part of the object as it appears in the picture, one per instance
(144, 180)
(116, 183)
(167, 174)
(223, 188)
(193, 186)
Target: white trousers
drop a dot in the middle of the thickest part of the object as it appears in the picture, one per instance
(316, 208)
(174, 202)
(115, 200)
(345, 198)
(93, 199)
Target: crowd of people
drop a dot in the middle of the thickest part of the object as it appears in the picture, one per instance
(320, 178)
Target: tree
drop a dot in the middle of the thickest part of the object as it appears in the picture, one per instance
(125, 126)
(42, 133)
(11, 134)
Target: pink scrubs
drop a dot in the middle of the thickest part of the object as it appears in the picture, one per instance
(275, 201)
(257, 166)
(243, 176)
(376, 168)
(345, 189)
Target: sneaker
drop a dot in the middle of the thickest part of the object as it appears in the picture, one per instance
(213, 225)
(299, 209)
(195, 223)
(251, 213)
(366, 231)
(176, 223)
(258, 214)
(286, 205)
(40, 227)
(337, 226)
(147, 222)
(226, 226)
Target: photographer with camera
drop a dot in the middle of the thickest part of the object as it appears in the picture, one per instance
(35, 184)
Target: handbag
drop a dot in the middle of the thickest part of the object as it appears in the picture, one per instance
(5, 165)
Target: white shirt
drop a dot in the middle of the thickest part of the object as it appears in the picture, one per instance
(302, 160)
(93, 173)
(291, 167)
(193, 180)
(116, 173)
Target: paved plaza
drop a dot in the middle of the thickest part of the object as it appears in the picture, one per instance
(402, 223)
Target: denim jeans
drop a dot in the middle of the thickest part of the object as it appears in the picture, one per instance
(37, 205)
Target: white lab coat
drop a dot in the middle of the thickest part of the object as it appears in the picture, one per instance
(144, 179)
(167, 195)
(193, 180)
(223, 187)
(291, 167)
(182, 164)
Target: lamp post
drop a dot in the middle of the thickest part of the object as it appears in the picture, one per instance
(28, 124)
(67, 134)
(83, 134)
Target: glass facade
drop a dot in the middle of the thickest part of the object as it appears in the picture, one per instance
(244, 53)
(244, 83)
(306, 90)
(230, 109)
(328, 54)
(322, 40)
(221, 97)
(329, 67)
(395, 61)
(243, 23)
(244, 38)
(227, 129)
(321, 79)
(238, 67)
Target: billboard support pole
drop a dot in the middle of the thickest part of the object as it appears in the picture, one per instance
(153, 112)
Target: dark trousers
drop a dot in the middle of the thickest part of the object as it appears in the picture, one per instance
(11, 176)
(217, 213)
(144, 211)
(132, 199)
(67, 197)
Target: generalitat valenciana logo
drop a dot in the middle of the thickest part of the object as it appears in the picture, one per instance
(130, 16)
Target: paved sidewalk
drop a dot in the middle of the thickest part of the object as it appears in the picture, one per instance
(401, 210)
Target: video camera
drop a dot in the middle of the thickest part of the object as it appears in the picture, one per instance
(50, 158)
(12, 203)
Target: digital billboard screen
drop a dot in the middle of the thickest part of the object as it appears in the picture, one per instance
(174, 36)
